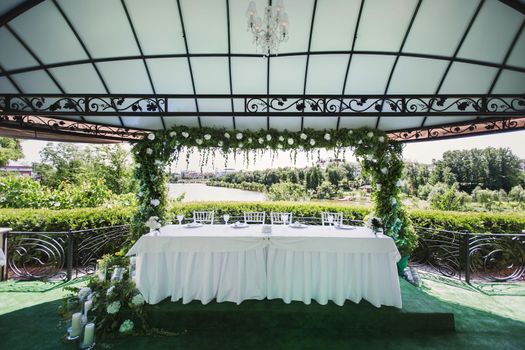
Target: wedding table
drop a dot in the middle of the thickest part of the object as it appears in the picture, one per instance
(234, 264)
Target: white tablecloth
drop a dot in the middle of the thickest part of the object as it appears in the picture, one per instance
(227, 264)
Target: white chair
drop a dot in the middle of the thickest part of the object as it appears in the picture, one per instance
(203, 217)
(254, 217)
(336, 218)
(277, 218)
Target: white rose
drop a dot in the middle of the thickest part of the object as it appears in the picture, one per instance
(110, 291)
(281, 138)
(155, 202)
(158, 162)
(279, 146)
(398, 183)
(113, 308)
(151, 137)
(139, 165)
(303, 136)
(199, 141)
(226, 135)
(290, 142)
(359, 142)
(327, 137)
(249, 140)
(393, 201)
(149, 151)
(384, 171)
(261, 140)
(312, 142)
(350, 132)
(220, 143)
(207, 136)
(185, 134)
(141, 194)
(268, 137)
(370, 134)
(381, 139)
(137, 300)
(240, 144)
(173, 134)
(239, 136)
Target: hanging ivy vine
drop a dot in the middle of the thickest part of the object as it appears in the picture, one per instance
(379, 156)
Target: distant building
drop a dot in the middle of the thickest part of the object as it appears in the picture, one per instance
(222, 172)
(22, 170)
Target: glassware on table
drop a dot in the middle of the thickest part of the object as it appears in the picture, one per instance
(226, 218)
(180, 217)
(284, 218)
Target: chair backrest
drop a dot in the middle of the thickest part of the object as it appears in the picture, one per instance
(277, 217)
(203, 217)
(254, 217)
(337, 218)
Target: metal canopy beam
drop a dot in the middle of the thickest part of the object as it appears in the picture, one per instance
(416, 10)
(152, 86)
(158, 105)
(308, 55)
(455, 55)
(18, 10)
(188, 57)
(55, 129)
(285, 54)
(84, 47)
(229, 57)
(351, 55)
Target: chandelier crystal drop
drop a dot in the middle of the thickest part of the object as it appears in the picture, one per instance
(269, 31)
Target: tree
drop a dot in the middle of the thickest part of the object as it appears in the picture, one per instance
(491, 168)
(314, 178)
(517, 194)
(69, 163)
(10, 149)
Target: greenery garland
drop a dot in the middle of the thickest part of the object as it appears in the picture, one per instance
(379, 156)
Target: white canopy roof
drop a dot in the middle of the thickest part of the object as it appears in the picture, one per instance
(202, 47)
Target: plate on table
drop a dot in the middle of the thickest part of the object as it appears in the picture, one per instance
(298, 225)
(239, 225)
(345, 227)
(193, 225)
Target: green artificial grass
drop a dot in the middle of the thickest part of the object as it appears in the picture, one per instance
(488, 316)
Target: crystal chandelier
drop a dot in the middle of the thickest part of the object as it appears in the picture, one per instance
(270, 31)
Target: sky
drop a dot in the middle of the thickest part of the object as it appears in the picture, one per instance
(422, 152)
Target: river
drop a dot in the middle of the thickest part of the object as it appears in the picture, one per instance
(201, 192)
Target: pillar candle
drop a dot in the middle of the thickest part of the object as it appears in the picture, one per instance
(89, 334)
(75, 324)
(87, 306)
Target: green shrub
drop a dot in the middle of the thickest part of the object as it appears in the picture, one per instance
(287, 191)
(327, 190)
(24, 192)
(63, 220)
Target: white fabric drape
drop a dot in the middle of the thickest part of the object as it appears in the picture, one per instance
(219, 262)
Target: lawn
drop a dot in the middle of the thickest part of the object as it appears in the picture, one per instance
(488, 316)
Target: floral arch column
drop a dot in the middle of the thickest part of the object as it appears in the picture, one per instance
(379, 156)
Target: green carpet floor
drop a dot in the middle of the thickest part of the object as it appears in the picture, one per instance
(486, 316)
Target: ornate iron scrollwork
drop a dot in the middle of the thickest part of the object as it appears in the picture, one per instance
(37, 255)
(438, 251)
(498, 258)
(40, 255)
(91, 245)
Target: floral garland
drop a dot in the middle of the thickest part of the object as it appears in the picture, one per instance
(379, 156)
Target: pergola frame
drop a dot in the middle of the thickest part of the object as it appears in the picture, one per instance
(507, 116)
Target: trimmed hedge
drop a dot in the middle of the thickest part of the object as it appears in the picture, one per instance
(62, 220)
(474, 222)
